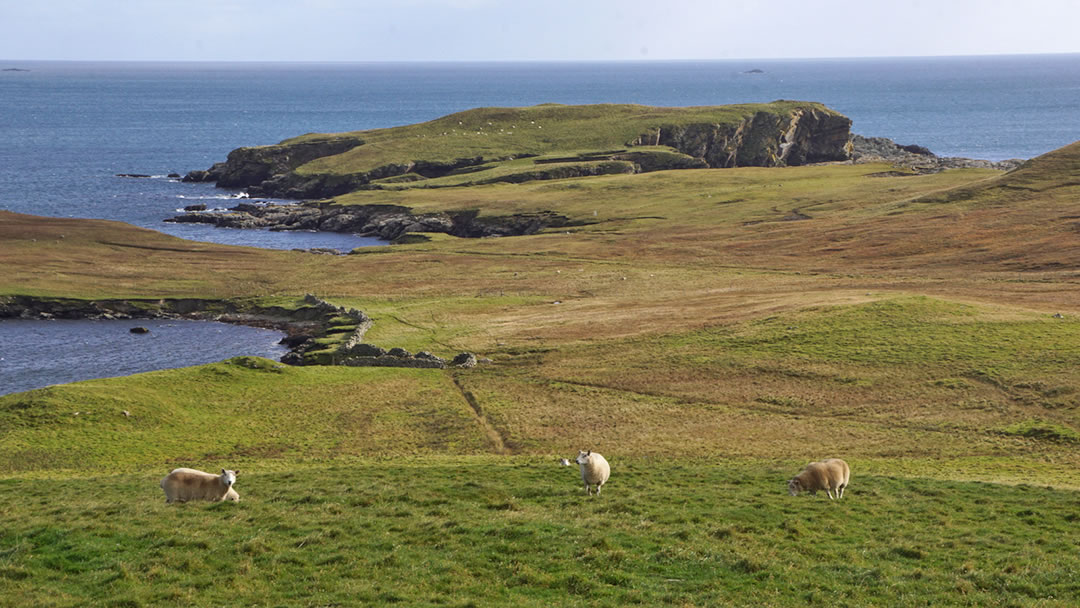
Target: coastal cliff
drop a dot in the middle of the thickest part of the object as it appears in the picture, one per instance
(550, 141)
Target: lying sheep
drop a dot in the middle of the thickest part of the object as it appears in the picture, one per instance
(182, 485)
(595, 470)
(830, 475)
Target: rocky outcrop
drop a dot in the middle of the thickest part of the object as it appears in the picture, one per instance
(917, 158)
(764, 140)
(246, 167)
(369, 355)
(386, 222)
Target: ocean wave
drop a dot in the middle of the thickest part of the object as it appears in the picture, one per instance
(214, 197)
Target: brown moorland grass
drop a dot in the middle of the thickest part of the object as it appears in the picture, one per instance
(706, 342)
(691, 305)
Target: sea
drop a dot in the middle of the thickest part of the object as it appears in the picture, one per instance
(67, 129)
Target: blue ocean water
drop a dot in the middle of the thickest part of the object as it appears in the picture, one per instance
(67, 128)
(39, 353)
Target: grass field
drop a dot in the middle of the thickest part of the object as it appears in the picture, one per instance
(709, 332)
(518, 531)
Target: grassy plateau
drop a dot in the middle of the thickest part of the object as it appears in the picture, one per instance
(710, 331)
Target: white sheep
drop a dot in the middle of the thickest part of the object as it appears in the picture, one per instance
(595, 470)
(182, 485)
(830, 475)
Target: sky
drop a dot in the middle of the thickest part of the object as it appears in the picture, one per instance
(529, 30)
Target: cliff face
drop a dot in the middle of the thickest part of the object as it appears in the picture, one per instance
(603, 140)
(246, 167)
(764, 140)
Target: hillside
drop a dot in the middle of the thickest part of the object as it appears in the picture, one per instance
(550, 141)
(708, 331)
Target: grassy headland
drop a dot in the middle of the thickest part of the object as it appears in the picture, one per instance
(708, 331)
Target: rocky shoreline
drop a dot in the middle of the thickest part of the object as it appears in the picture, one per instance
(917, 158)
(387, 222)
(304, 326)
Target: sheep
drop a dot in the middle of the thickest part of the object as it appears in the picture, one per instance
(182, 485)
(595, 470)
(232, 495)
(830, 475)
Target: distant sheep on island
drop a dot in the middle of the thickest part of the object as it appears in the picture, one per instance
(595, 470)
(830, 475)
(182, 485)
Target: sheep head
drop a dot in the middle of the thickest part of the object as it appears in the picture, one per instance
(229, 477)
(794, 486)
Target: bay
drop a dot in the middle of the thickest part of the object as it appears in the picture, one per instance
(34, 354)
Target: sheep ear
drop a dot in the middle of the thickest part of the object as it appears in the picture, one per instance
(236, 472)
(222, 471)
(589, 453)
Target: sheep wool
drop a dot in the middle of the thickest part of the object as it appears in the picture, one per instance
(595, 470)
(182, 485)
(830, 475)
(232, 495)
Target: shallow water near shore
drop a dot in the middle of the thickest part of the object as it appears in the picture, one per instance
(34, 354)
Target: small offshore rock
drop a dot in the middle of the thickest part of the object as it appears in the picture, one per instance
(139, 330)
(465, 360)
(140, 175)
(197, 207)
(173, 176)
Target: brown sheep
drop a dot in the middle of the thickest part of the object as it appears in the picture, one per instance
(830, 475)
(182, 485)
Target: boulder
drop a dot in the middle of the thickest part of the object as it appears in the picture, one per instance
(465, 360)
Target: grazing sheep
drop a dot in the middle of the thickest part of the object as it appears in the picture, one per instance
(830, 475)
(595, 470)
(182, 485)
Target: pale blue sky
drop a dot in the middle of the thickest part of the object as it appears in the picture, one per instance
(424, 30)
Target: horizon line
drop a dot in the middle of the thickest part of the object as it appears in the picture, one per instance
(520, 61)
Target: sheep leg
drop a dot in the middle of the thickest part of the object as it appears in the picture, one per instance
(840, 490)
(598, 486)
(829, 492)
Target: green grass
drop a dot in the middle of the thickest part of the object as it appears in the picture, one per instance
(475, 532)
(687, 328)
(234, 411)
(500, 134)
